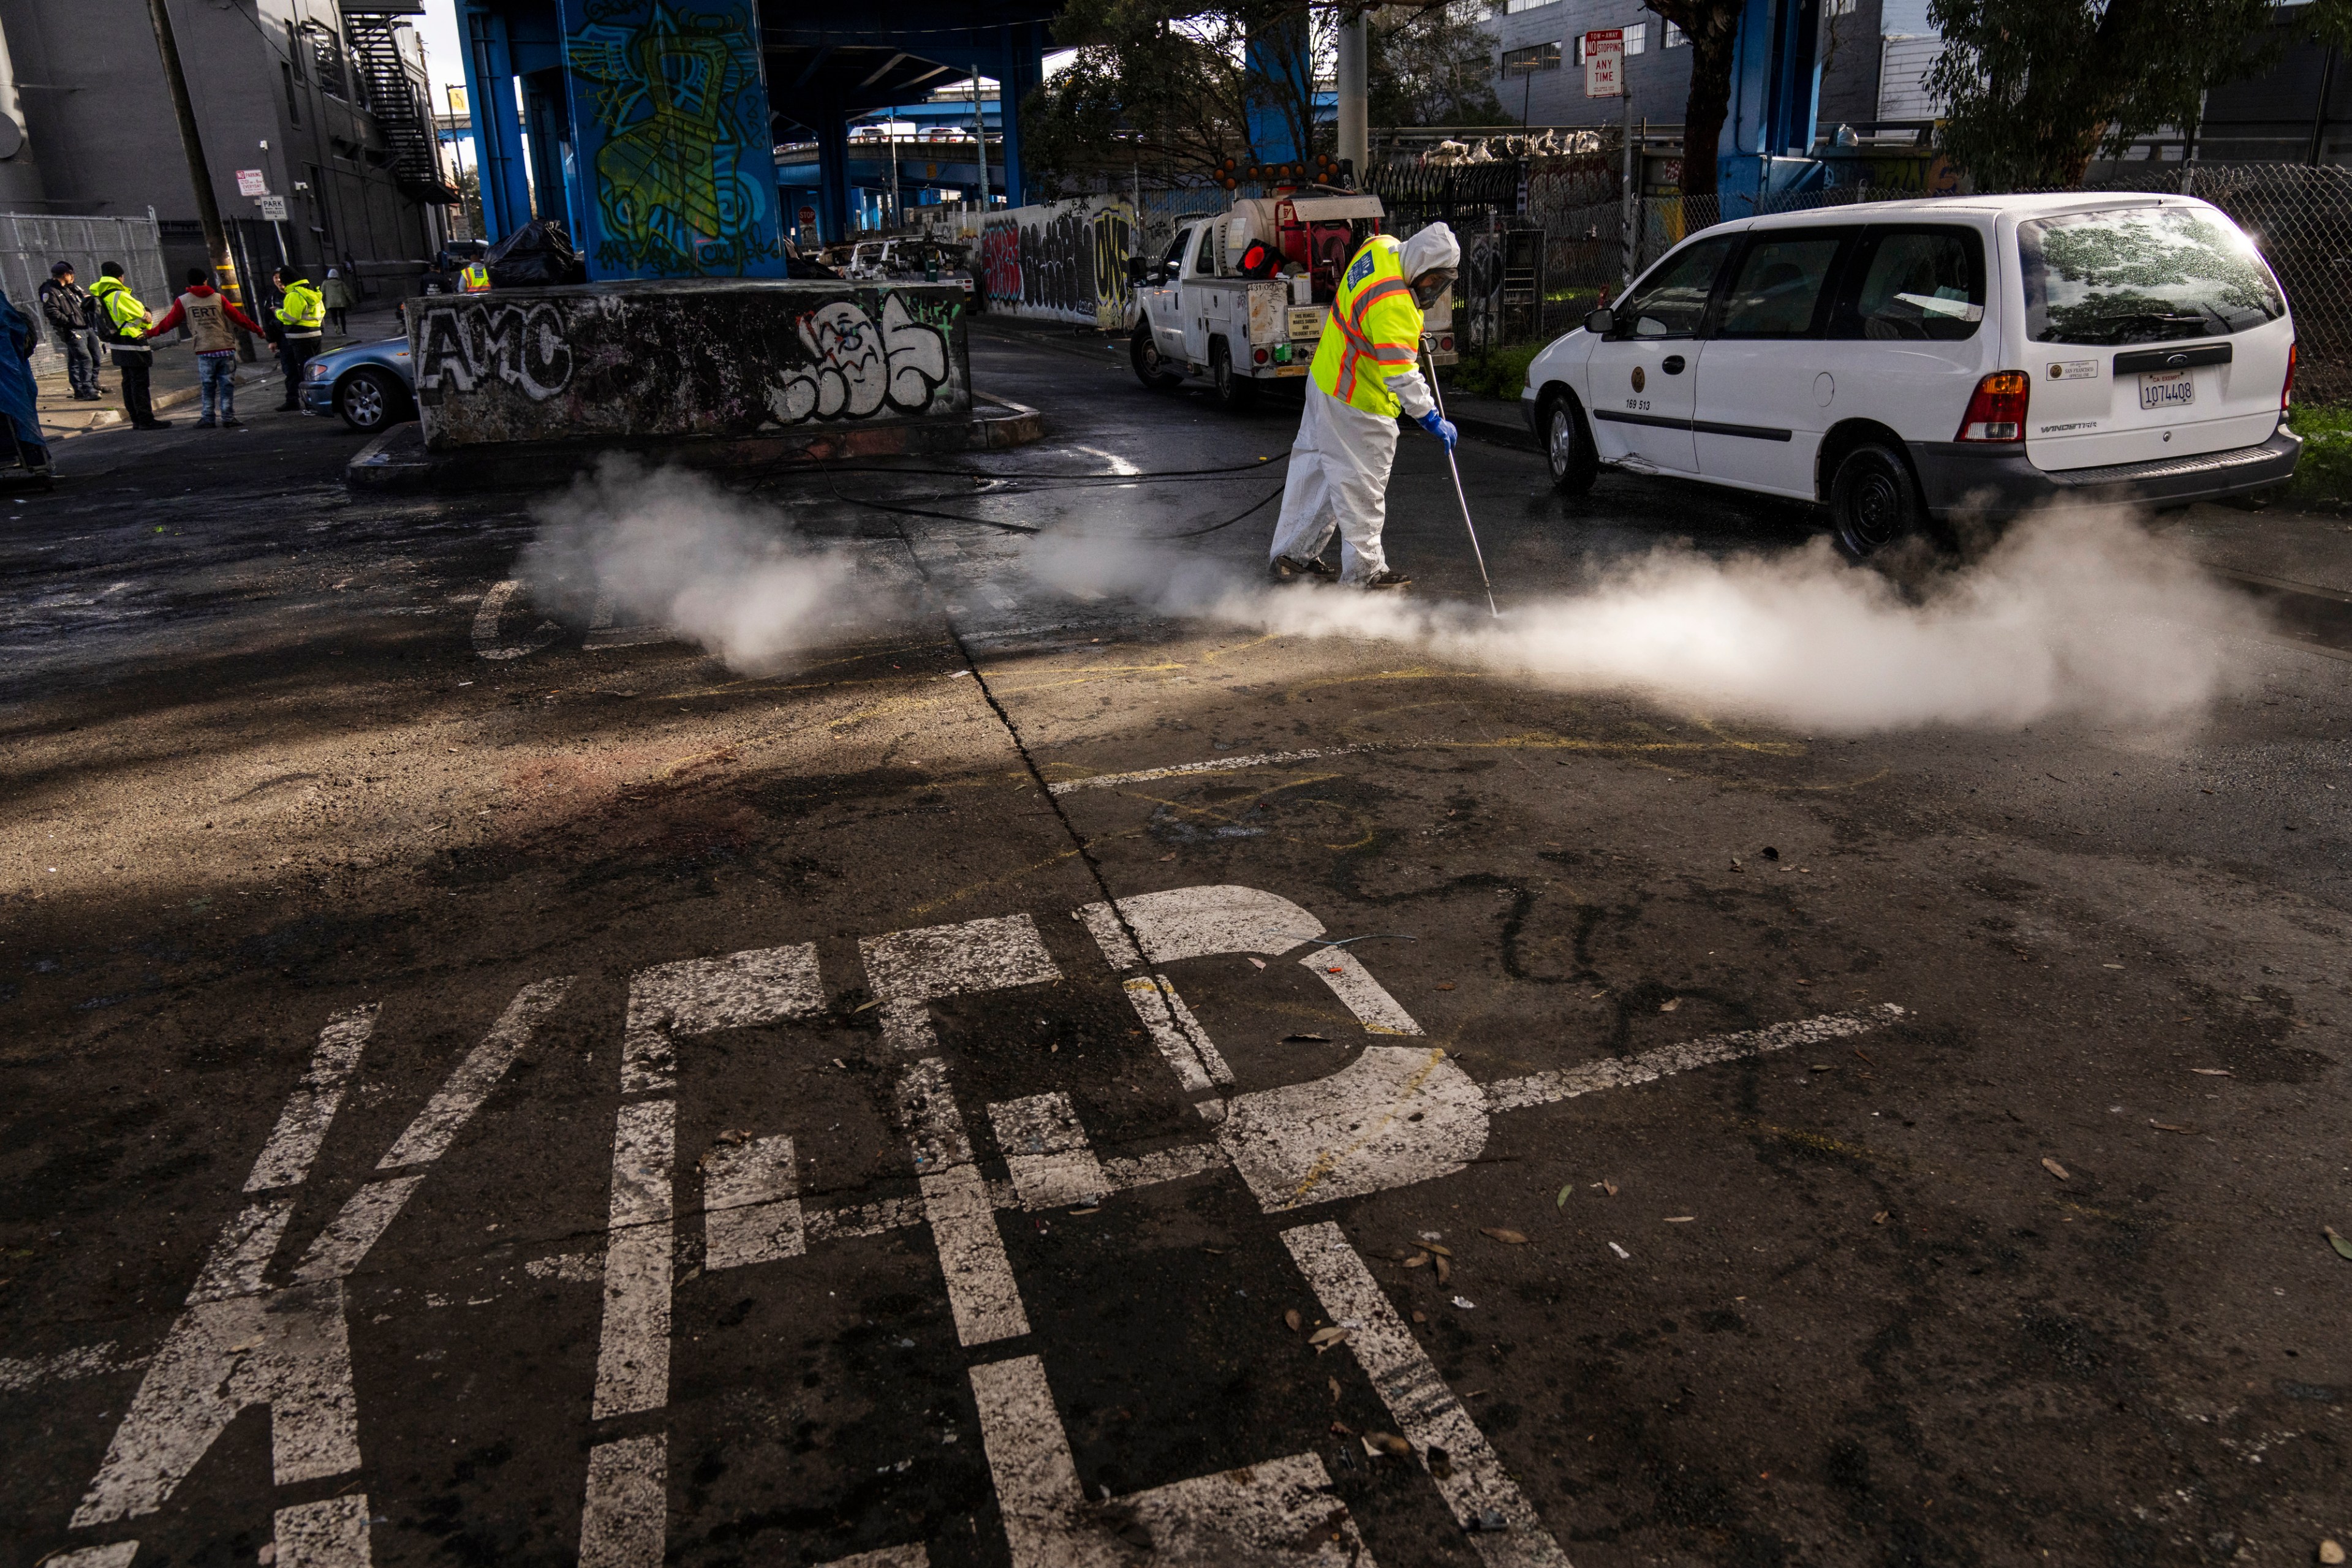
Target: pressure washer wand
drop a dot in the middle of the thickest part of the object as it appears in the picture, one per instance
(1430, 358)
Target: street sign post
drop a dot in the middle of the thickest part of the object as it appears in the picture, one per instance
(273, 209)
(252, 183)
(1604, 63)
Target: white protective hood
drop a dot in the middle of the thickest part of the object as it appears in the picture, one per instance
(1433, 248)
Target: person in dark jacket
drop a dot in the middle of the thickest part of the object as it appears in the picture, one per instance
(18, 395)
(69, 311)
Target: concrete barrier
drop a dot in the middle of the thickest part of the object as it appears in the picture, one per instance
(703, 358)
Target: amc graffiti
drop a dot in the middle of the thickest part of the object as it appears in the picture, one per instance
(463, 348)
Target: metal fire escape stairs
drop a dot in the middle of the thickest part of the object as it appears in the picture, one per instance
(390, 96)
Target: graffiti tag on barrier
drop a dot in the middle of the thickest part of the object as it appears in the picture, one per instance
(1067, 261)
(465, 346)
(855, 365)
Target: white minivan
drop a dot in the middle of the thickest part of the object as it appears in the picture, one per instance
(1906, 361)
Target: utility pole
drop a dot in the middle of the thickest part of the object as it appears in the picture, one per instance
(980, 137)
(199, 173)
(1355, 90)
(897, 203)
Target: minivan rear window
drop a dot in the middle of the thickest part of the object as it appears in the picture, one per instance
(2142, 274)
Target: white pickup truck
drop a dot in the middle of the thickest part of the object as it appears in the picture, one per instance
(1239, 299)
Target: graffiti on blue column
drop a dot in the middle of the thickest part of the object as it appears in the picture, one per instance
(682, 180)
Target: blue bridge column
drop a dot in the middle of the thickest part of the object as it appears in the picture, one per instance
(832, 173)
(498, 131)
(1776, 85)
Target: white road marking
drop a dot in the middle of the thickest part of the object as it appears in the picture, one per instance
(492, 611)
(64, 1366)
(1394, 1116)
(1181, 1163)
(1614, 1072)
(1047, 1149)
(632, 1360)
(1198, 922)
(452, 1105)
(1478, 1489)
(982, 1292)
(865, 1219)
(751, 1213)
(915, 1556)
(909, 969)
(113, 1554)
(333, 1533)
(241, 1343)
(1277, 1512)
(303, 1124)
(627, 1514)
(1199, 1067)
(603, 634)
(1214, 764)
(1366, 997)
(698, 996)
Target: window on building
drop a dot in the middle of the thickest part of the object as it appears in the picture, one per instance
(1837, 7)
(1637, 37)
(1513, 7)
(293, 96)
(1675, 39)
(327, 60)
(1534, 58)
(295, 49)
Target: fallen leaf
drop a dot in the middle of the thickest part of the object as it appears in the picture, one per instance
(1334, 1388)
(1440, 1251)
(1507, 1238)
(1312, 1038)
(1609, 1188)
(1419, 1316)
(1386, 1443)
(1419, 1259)
(1880, 1217)
(1562, 1201)
(2341, 1244)
(1866, 1061)
(1445, 1271)
(2214, 1072)
(2330, 1552)
(1293, 1319)
(735, 1135)
(1824, 1067)
(1343, 1429)
(1095, 1209)
(1324, 1338)
(1169, 856)
(244, 1344)
(1670, 1004)
(863, 1007)
(1680, 1219)
(2054, 1167)
(1444, 985)
(2168, 1126)
(1257, 963)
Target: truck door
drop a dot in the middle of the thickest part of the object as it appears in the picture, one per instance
(1164, 301)
(1643, 381)
(1200, 288)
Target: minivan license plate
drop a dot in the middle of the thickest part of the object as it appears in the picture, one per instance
(2166, 389)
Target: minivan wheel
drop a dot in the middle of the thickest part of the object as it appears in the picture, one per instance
(1143, 353)
(1568, 446)
(1237, 393)
(1872, 502)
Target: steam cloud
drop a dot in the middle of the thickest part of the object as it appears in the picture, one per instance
(2072, 612)
(671, 549)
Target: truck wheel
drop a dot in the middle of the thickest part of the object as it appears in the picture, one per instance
(1143, 353)
(1236, 394)
(1568, 445)
(1872, 502)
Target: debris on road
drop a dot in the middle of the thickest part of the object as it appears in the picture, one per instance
(2341, 1244)
(1507, 1238)
(2329, 1551)
(1324, 1338)
(2213, 1072)
(1621, 1251)
(1293, 1319)
(1465, 1303)
(1562, 1201)
(1378, 1443)
(1881, 1216)
(1680, 1219)
(2055, 1168)
(2169, 1127)
(1309, 1039)
(1771, 854)
(1441, 1464)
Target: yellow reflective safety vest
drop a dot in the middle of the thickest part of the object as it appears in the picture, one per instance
(1372, 332)
(303, 311)
(474, 277)
(126, 319)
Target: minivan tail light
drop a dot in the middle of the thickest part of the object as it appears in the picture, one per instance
(1996, 408)
(2287, 392)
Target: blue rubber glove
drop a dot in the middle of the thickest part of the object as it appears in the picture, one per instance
(1440, 426)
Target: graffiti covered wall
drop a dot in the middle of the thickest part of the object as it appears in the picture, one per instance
(669, 122)
(1065, 261)
(686, 359)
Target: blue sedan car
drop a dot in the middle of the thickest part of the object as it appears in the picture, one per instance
(369, 384)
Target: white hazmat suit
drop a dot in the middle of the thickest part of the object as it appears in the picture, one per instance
(1339, 464)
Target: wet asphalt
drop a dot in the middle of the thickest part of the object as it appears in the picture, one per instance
(2029, 1271)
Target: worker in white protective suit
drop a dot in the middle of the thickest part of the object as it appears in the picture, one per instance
(1367, 369)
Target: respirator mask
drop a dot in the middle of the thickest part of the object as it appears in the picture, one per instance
(1431, 287)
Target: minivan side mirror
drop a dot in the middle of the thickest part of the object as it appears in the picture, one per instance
(1602, 321)
(1139, 272)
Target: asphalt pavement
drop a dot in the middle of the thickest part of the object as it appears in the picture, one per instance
(1048, 1066)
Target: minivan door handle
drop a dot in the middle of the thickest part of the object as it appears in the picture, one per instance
(1672, 364)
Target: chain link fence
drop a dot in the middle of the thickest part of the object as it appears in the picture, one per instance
(30, 245)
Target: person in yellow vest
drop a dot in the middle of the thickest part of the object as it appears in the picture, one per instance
(474, 279)
(122, 328)
(211, 321)
(301, 322)
(1366, 369)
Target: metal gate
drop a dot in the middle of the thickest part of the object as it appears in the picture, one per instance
(30, 245)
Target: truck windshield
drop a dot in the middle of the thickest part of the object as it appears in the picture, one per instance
(2142, 274)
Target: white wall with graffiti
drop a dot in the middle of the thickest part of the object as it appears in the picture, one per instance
(1057, 261)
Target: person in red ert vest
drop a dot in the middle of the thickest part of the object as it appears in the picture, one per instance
(209, 317)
